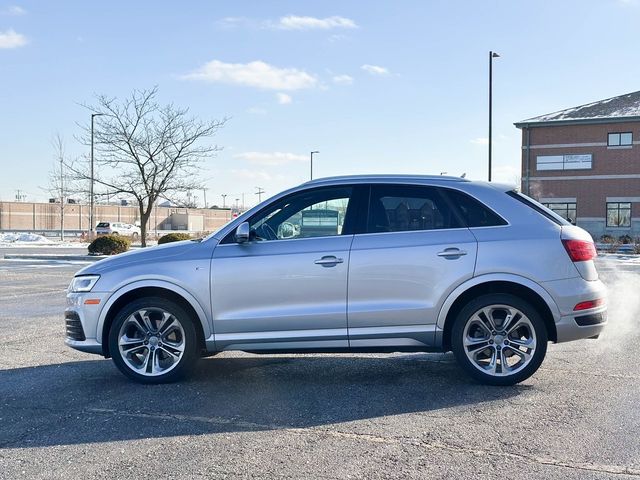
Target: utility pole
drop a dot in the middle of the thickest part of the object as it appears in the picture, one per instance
(61, 199)
(20, 197)
(492, 55)
(204, 192)
(259, 192)
(243, 201)
(91, 220)
(224, 196)
(315, 151)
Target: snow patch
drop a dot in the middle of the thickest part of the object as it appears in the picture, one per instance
(30, 238)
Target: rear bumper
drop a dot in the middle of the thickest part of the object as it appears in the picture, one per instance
(583, 325)
(575, 325)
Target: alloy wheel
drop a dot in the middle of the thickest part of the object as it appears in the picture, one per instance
(499, 340)
(151, 341)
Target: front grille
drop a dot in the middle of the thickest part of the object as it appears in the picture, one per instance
(593, 319)
(74, 326)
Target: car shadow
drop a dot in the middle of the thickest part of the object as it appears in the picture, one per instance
(90, 401)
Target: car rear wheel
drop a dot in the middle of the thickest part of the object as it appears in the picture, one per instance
(499, 339)
(153, 340)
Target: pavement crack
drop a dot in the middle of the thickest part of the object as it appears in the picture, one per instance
(440, 446)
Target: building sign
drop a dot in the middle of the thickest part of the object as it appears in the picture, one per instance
(564, 162)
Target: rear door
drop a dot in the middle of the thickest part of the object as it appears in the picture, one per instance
(415, 251)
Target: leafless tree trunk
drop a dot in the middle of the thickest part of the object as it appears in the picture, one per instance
(146, 150)
(60, 184)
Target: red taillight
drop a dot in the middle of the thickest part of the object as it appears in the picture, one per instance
(580, 250)
(589, 304)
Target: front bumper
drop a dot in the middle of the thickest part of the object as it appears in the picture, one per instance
(81, 321)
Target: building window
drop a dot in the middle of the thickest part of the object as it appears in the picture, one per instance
(564, 162)
(565, 210)
(620, 139)
(618, 214)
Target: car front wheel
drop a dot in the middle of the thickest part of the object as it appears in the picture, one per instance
(153, 340)
(499, 339)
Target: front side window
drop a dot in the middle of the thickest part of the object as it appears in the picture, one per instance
(315, 213)
(620, 139)
(618, 214)
(565, 210)
(398, 208)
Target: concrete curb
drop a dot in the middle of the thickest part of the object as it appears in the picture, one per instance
(59, 257)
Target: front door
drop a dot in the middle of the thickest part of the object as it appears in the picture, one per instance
(286, 288)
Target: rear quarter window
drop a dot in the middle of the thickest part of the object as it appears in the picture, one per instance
(474, 212)
(538, 207)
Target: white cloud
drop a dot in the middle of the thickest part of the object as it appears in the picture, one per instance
(247, 174)
(257, 111)
(14, 11)
(283, 98)
(294, 22)
(375, 69)
(12, 39)
(480, 141)
(254, 74)
(270, 159)
(343, 79)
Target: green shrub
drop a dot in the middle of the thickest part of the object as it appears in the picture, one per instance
(173, 237)
(109, 245)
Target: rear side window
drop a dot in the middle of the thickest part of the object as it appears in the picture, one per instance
(401, 208)
(474, 213)
(538, 207)
(103, 225)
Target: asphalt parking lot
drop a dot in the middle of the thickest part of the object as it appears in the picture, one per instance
(65, 414)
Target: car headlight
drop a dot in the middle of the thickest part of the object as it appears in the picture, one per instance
(83, 283)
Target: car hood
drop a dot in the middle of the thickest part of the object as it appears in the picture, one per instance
(144, 255)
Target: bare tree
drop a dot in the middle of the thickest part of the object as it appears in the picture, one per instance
(61, 183)
(146, 150)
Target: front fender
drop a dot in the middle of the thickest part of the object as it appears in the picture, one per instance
(496, 277)
(207, 327)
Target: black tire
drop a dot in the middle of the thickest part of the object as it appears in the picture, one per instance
(477, 369)
(185, 335)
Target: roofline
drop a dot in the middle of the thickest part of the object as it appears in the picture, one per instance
(577, 121)
(385, 177)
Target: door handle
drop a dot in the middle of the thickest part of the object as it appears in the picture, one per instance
(328, 261)
(451, 253)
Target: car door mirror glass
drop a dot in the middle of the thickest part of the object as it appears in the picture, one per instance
(242, 232)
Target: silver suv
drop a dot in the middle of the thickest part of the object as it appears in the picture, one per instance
(352, 264)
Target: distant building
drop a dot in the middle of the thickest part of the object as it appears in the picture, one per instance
(584, 163)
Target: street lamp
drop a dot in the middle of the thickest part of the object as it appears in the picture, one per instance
(224, 196)
(93, 115)
(492, 55)
(315, 151)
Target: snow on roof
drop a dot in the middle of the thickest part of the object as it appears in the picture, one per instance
(622, 106)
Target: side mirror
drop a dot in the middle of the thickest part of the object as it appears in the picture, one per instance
(242, 232)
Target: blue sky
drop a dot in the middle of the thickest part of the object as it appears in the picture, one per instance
(376, 86)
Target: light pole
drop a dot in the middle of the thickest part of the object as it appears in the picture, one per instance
(93, 115)
(315, 151)
(492, 55)
(224, 196)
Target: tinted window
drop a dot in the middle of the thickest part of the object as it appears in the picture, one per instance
(315, 213)
(103, 225)
(400, 208)
(474, 213)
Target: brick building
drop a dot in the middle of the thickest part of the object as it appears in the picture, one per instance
(584, 163)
